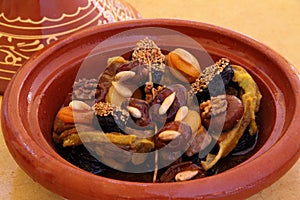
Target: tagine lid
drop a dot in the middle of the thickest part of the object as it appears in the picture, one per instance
(28, 26)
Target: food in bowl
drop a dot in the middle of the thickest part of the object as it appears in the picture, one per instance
(156, 116)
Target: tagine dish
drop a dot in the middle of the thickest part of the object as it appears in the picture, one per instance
(159, 117)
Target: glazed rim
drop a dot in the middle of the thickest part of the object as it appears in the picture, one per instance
(37, 158)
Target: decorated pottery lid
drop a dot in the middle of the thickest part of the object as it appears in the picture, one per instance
(28, 26)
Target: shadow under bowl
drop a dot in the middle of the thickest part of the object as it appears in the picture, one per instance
(39, 89)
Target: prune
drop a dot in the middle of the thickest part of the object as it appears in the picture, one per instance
(156, 76)
(82, 158)
(246, 143)
(206, 88)
(107, 124)
(111, 118)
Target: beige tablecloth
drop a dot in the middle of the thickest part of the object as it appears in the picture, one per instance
(276, 23)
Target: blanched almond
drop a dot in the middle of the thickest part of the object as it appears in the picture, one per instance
(79, 105)
(186, 175)
(168, 135)
(181, 113)
(166, 104)
(134, 112)
(124, 75)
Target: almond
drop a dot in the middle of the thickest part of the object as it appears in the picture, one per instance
(124, 75)
(79, 105)
(134, 112)
(186, 175)
(138, 158)
(168, 135)
(181, 113)
(166, 104)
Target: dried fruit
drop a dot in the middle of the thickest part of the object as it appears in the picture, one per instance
(184, 65)
(193, 120)
(139, 110)
(84, 89)
(106, 78)
(251, 101)
(175, 135)
(141, 72)
(110, 118)
(170, 110)
(200, 140)
(221, 114)
(65, 114)
(114, 97)
(148, 53)
(68, 115)
(213, 80)
(141, 118)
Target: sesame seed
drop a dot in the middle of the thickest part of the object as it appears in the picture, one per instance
(208, 74)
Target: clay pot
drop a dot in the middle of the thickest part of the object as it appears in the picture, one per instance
(28, 26)
(41, 86)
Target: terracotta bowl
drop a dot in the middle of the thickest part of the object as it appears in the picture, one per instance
(40, 87)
